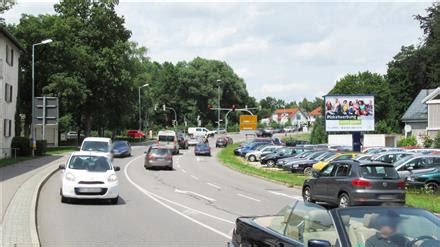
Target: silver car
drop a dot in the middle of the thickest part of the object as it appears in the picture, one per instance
(158, 156)
(416, 164)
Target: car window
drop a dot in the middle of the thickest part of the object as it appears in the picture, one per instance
(328, 170)
(342, 170)
(166, 138)
(159, 151)
(89, 163)
(436, 161)
(344, 157)
(378, 171)
(95, 146)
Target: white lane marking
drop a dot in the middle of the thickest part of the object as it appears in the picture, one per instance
(194, 193)
(213, 185)
(183, 170)
(248, 197)
(196, 178)
(285, 195)
(158, 199)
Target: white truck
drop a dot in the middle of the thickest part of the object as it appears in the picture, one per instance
(200, 131)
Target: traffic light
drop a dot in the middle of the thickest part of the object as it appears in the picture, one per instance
(233, 107)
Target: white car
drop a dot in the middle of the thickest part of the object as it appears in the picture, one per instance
(89, 175)
(256, 155)
(98, 144)
(200, 131)
(168, 139)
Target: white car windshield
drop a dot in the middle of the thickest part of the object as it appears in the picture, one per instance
(95, 146)
(89, 163)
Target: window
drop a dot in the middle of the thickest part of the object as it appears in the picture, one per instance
(7, 127)
(328, 170)
(343, 170)
(9, 55)
(8, 92)
(378, 171)
(344, 157)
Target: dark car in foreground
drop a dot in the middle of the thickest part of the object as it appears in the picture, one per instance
(305, 165)
(202, 149)
(158, 157)
(306, 224)
(121, 149)
(349, 182)
(429, 180)
(221, 142)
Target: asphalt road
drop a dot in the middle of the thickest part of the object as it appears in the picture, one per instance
(196, 204)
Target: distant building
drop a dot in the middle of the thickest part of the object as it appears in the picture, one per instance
(423, 115)
(10, 51)
(314, 114)
(295, 115)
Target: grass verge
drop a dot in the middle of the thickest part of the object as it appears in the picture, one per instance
(61, 150)
(420, 199)
(228, 158)
(297, 136)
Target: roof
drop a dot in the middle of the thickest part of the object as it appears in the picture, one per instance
(418, 111)
(90, 153)
(97, 139)
(11, 37)
(432, 95)
(316, 112)
(289, 110)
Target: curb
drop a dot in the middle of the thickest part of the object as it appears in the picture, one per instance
(20, 219)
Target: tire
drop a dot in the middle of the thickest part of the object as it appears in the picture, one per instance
(308, 171)
(252, 158)
(307, 195)
(65, 199)
(344, 200)
(432, 187)
(170, 168)
(114, 201)
(271, 163)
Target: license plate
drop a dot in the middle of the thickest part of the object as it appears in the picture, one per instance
(386, 197)
(89, 190)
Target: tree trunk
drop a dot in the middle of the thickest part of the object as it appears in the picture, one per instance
(88, 124)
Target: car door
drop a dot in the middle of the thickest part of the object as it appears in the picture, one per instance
(319, 189)
(412, 166)
(339, 181)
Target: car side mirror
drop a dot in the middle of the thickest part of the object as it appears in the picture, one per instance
(62, 166)
(318, 243)
(117, 168)
(315, 174)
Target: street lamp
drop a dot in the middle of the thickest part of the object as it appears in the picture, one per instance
(140, 107)
(218, 112)
(34, 143)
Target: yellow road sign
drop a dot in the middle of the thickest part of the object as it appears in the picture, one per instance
(248, 122)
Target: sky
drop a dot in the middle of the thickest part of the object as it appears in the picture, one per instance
(287, 50)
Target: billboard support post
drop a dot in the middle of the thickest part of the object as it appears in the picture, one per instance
(356, 136)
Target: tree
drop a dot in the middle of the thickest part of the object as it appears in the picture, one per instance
(4, 6)
(318, 135)
(437, 140)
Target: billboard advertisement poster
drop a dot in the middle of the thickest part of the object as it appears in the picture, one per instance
(349, 113)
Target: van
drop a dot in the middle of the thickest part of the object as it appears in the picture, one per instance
(98, 144)
(168, 139)
(200, 131)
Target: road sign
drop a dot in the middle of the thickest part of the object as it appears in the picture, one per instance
(46, 110)
(248, 122)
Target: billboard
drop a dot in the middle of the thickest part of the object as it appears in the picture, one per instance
(349, 112)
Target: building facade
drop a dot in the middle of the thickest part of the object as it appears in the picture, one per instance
(10, 51)
(294, 115)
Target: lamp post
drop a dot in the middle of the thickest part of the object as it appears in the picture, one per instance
(140, 107)
(34, 143)
(218, 102)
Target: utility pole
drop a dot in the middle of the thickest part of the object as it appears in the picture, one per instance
(218, 103)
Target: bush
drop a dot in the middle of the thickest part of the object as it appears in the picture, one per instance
(318, 135)
(408, 141)
(41, 147)
(437, 140)
(23, 145)
(427, 142)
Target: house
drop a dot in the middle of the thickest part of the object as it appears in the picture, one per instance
(423, 115)
(295, 115)
(314, 114)
(10, 51)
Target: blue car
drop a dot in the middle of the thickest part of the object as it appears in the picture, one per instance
(202, 149)
(121, 149)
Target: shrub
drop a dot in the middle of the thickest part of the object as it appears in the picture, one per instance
(427, 142)
(23, 145)
(408, 141)
(437, 140)
(318, 135)
(41, 147)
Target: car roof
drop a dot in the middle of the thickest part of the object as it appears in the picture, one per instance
(98, 139)
(90, 153)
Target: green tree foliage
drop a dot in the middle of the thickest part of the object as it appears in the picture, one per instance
(427, 141)
(318, 135)
(409, 141)
(437, 140)
(4, 6)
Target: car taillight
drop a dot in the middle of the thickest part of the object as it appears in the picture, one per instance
(360, 183)
(401, 184)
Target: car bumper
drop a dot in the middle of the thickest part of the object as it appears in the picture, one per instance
(100, 191)
(378, 197)
(121, 154)
(202, 152)
(158, 163)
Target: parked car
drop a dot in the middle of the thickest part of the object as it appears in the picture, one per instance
(251, 147)
(136, 134)
(220, 131)
(97, 144)
(229, 139)
(282, 162)
(158, 156)
(263, 133)
(271, 159)
(339, 156)
(302, 224)
(364, 156)
(289, 129)
(305, 165)
(168, 139)
(266, 141)
(202, 149)
(261, 151)
(73, 135)
(350, 182)
(294, 143)
(429, 180)
(89, 175)
(121, 149)
(415, 164)
(391, 157)
(221, 142)
(182, 139)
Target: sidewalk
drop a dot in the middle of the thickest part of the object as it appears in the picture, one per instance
(19, 186)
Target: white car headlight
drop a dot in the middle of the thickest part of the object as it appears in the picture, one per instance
(410, 179)
(69, 176)
(112, 178)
